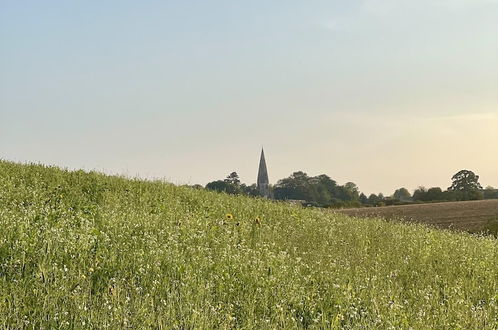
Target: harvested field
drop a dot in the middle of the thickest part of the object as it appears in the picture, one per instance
(472, 216)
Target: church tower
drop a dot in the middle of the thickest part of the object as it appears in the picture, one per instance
(263, 182)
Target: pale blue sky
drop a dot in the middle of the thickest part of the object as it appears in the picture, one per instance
(385, 93)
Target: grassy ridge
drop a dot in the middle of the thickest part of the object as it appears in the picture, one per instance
(92, 251)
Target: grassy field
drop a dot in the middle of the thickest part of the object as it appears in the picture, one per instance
(473, 216)
(84, 250)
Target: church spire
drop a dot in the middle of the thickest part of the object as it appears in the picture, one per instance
(263, 181)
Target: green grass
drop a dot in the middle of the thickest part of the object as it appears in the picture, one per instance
(85, 250)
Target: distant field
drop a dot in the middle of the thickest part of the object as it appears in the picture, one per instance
(473, 216)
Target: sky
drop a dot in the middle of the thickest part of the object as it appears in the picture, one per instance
(384, 93)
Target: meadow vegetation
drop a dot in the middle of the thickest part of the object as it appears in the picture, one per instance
(85, 250)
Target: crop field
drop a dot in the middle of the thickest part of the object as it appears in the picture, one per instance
(85, 250)
(472, 216)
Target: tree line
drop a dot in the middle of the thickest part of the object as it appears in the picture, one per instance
(323, 191)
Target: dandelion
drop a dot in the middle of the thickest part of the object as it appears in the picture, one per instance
(229, 216)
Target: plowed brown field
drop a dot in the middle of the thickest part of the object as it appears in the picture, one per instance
(472, 216)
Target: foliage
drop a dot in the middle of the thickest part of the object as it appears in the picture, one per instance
(195, 186)
(363, 199)
(490, 193)
(233, 178)
(231, 185)
(402, 194)
(224, 186)
(432, 194)
(467, 183)
(374, 200)
(320, 190)
(85, 250)
(419, 194)
(465, 186)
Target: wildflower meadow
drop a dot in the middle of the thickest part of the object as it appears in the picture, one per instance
(87, 250)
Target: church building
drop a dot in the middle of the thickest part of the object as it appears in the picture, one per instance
(263, 181)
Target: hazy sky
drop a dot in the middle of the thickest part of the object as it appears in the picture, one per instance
(384, 93)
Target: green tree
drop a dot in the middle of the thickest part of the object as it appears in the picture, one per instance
(420, 194)
(231, 185)
(363, 198)
(352, 191)
(374, 200)
(233, 178)
(324, 188)
(251, 190)
(298, 186)
(402, 194)
(467, 183)
(435, 194)
(320, 190)
(195, 186)
(465, 180)
(223, 186)
(490, 193)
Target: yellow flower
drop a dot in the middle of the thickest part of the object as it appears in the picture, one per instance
(111, 290)
(229, 216)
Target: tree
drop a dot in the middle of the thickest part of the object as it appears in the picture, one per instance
(233, 178)
(402, 194)
(251, 190)
(196, 186)
(352, 191)
(430, 195)
(298, 186)
(363, 198)
(231, 185)
(467, 183)
(223, 186)
(324, 190)
(320, 190)
(435, 194)
(465, 180)
(490, 193)
(373, 199)
(420, 194)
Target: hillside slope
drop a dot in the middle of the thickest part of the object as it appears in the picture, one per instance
(92, 251)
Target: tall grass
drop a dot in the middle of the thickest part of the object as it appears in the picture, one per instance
(84, 250)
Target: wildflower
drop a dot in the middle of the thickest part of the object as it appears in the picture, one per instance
(111, 290)
(229, 216)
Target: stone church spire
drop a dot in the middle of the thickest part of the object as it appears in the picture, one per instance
(263, 181)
